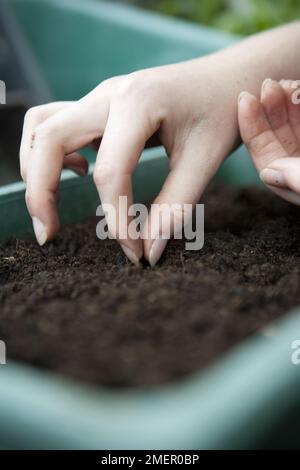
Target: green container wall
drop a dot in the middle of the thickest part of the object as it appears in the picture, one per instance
(79, 43)
(237, 402)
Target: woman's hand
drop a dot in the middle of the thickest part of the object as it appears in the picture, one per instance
(270, 128)
(184, 110)
(190, 108)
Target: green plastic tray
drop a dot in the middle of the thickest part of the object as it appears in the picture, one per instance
(246, 395)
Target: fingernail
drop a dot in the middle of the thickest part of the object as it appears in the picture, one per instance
(242, 95)
(245, 95)
(266, 82)
(157, 250)
(130, 255)
(39, 230)
(272, 177)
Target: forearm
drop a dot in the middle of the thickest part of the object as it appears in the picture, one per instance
(243, 67)
(273, 54)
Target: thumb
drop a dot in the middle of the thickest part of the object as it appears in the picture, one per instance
(278, 171)
(283, 176)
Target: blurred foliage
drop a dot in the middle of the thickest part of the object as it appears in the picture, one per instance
(237, 16)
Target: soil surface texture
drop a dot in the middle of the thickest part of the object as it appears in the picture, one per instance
(77, 307)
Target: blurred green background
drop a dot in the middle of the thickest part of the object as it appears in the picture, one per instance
(237, 16)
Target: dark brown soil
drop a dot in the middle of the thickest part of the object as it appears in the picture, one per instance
(76, 306)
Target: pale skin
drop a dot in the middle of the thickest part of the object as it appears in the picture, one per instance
(270, 128)
(191, 108)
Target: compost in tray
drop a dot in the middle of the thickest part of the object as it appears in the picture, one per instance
(76, 306)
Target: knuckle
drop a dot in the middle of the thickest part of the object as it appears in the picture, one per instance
(33, 114)
(107, 85)
(103, 174)
(28, 198)
(132, 84)
(36, 199)
(110, 82)
(146, 90)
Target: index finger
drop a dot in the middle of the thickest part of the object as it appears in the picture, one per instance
(61, 134)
